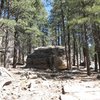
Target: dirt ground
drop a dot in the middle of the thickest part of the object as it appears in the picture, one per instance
(33, 84)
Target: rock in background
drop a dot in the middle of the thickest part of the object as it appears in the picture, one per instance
(47, 57)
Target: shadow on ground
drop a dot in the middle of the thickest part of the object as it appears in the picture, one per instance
(59, 74)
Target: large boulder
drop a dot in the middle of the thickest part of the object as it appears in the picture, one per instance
(47, 57)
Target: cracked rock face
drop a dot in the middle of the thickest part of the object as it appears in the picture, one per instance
(47, 57)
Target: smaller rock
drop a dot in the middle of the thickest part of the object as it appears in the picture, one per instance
(67, 97)
(33, 76)
(24, 88)
(32, 86)
(29, 85)
(63, 92)
(7, 83)
(98, 77)
(6, 77)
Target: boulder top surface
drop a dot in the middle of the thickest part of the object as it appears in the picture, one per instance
(52, 50)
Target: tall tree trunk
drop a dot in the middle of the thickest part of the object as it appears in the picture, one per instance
(15, 49)
(64, 34)
(86, 50)
(0, 12)
(98, 32)
(95, 58)
(69, 48)
(62, 37)
(58, 36)
(6, 49)
(56, 42)
(15, 46)
(74, 49)
(77, 57)
(43, 40)
(99, 60)
(29, 44)
(96, 36)
(23, 55)
(19, 53)
(1, 7)
(6, 39)
(80, 54)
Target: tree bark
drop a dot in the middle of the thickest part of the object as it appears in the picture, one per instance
(74, 50)
(80, 54)
(69, 48)
(58, 36)
(87, 60)
(64, 34)
(99, 60)
(29, 44)
(96, 36)
(23, 56)
(77, 57)
(6, 39)
(96, 66)
(15, 48)
(6, 49)
(19, 52)
(15, 45)
(62, 37)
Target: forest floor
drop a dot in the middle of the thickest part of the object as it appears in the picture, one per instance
(33, 84)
